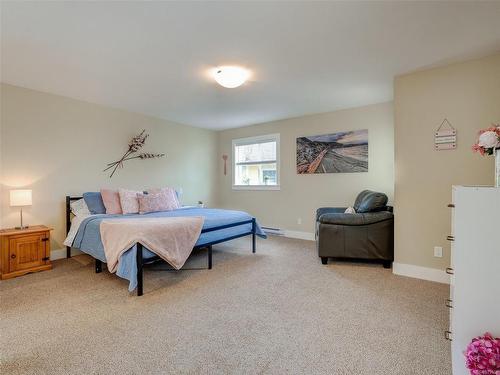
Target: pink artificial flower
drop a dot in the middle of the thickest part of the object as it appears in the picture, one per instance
(492, 128)
(488, 140)
(482, 356)
(477, 148)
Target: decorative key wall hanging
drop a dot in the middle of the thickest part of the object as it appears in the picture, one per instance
(445, 137)
(224, 157)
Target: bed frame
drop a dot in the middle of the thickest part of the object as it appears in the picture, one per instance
(141, 262)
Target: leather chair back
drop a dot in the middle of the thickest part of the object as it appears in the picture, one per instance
(370, 201)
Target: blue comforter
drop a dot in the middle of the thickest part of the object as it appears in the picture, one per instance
(88, 237)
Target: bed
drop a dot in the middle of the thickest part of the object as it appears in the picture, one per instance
(219, 226)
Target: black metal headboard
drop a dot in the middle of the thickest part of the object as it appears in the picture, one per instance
(68, 219)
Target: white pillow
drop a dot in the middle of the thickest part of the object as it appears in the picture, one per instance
(350, 210)
(79, 208)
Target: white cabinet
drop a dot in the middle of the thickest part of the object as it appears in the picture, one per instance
(475, 264)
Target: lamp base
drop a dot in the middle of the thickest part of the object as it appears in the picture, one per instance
(22, 226)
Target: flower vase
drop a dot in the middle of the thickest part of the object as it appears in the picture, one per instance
(497, 167)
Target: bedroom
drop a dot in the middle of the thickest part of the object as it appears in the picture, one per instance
(354, 89)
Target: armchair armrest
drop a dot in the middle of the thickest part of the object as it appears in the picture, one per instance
(329, 210)
(355, 219)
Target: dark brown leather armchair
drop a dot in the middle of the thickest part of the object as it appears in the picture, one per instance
(366, 235)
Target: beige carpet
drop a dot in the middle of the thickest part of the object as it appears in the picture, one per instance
(275, 312)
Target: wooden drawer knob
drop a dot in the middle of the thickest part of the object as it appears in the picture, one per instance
(13, 256)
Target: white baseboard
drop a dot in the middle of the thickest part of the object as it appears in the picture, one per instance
(61, 253)
(418, 272)
(299, 235)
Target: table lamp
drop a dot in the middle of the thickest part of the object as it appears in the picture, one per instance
(20, 198)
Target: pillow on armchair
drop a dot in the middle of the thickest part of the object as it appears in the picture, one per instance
(370, 201)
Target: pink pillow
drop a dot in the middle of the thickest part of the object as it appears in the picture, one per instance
(152, 203)
(169, 196)
(111, 200)
(129, 201)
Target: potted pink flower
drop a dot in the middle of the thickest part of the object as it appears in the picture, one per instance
(488, 143)
(482, 356)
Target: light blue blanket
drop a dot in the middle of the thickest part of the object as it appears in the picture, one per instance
(88, 237)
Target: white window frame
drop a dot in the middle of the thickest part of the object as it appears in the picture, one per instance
(253, 140)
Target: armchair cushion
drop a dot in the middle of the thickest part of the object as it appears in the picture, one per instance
(370, 201)
(355, 219)
(360, 198)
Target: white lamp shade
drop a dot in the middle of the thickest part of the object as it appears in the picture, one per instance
(20, 197)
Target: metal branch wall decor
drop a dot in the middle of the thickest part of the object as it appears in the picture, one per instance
(133, 147)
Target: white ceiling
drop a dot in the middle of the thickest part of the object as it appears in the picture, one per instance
(306, 57)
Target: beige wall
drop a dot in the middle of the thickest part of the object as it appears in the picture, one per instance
(1, 166)
(58, 146)
(468, 95)
(301, 195)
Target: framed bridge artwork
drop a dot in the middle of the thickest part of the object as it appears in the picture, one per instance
(342, 152)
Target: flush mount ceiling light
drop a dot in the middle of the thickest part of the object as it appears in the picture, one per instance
(230, 76)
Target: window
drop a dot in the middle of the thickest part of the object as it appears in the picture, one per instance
(256, 163)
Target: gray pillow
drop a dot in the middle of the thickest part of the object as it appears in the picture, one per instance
(360, 197)
(370, 201)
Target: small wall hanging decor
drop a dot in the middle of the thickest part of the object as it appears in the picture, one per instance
(134, 146)
(343, 152)
(445, 137)
(224, 157)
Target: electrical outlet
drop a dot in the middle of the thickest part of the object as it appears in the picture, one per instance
(299, 220)
(438, 251)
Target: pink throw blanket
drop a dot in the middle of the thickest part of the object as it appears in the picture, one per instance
(171, 238)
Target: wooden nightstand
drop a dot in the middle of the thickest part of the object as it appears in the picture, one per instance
(24, 251)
